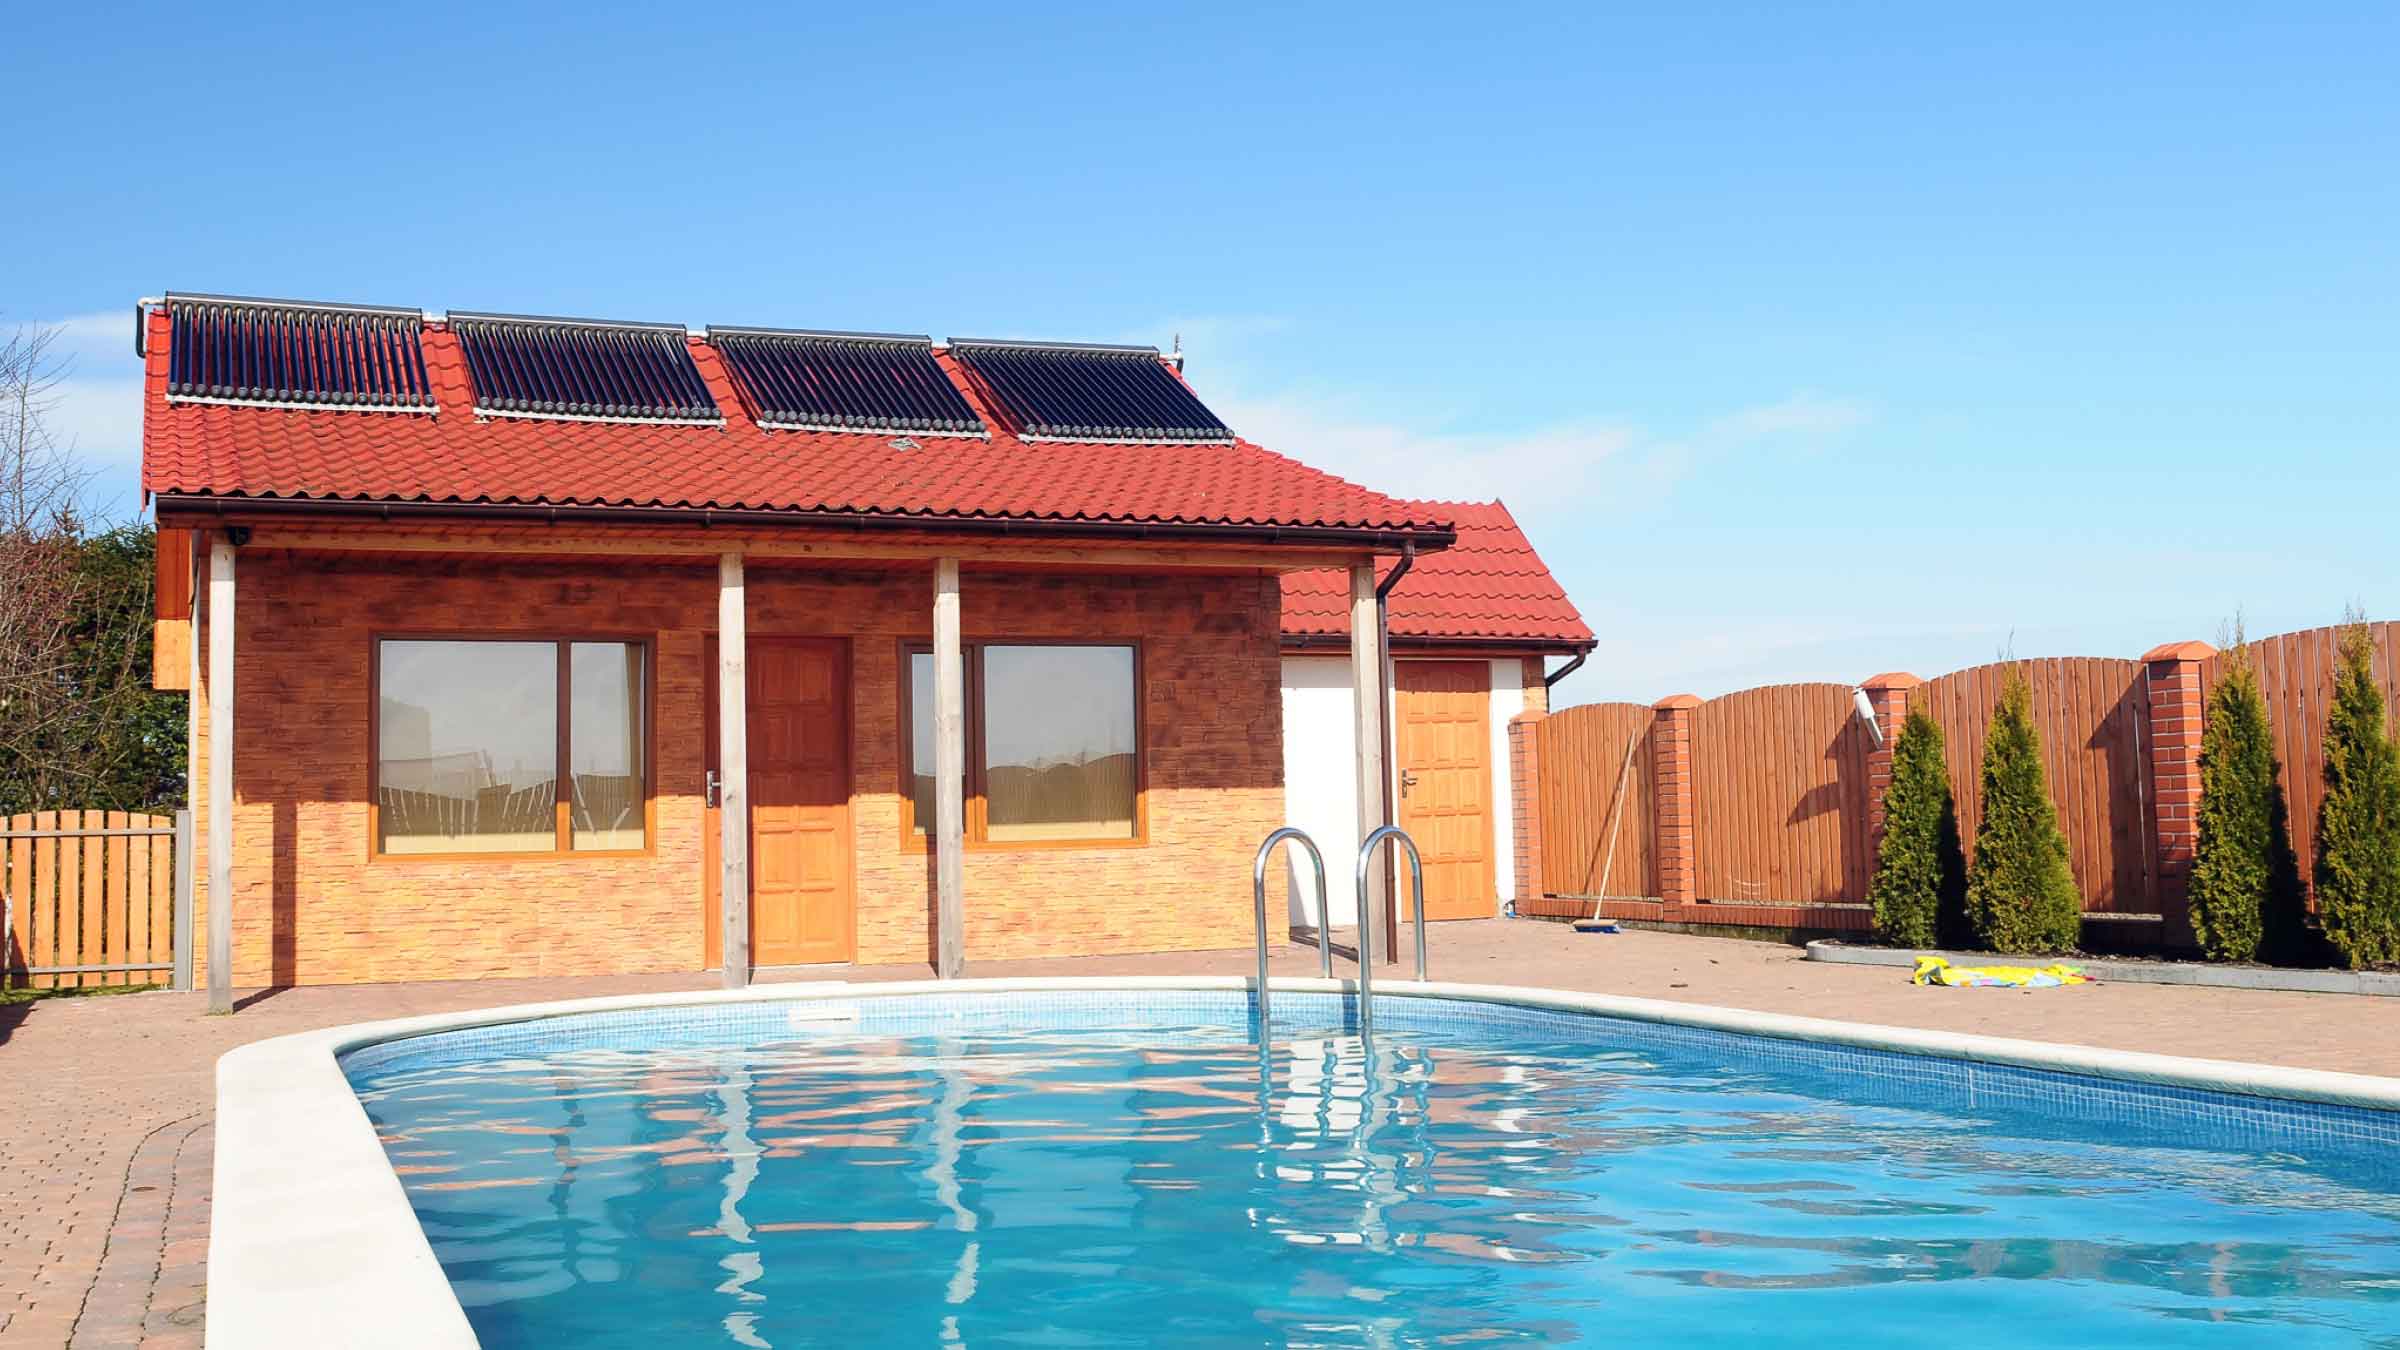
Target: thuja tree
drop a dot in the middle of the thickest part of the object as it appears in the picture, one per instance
(1920, 885)
(2358, 829)
(2021, 896)
(2245, 884)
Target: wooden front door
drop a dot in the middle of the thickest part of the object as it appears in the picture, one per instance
(801, 909)
(1443, 745)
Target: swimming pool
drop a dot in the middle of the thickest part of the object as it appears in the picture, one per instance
(1088, 1166)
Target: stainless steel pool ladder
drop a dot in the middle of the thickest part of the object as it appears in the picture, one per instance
(1258, 898)
(1366, 924)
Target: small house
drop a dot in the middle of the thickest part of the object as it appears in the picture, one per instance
(534, 646)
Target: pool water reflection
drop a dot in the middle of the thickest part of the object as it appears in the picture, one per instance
(1171, 1185)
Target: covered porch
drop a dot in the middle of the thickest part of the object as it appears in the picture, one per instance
(893, 745)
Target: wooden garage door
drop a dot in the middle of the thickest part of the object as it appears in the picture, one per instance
(1443, 745)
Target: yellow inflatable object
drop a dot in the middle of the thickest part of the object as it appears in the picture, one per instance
(1935, 970)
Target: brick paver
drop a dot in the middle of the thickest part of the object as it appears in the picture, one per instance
(105, 1104)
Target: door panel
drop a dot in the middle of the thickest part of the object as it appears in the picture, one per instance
(1442, 742)
(801, 908)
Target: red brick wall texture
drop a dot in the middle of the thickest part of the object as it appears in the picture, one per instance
(310, 907)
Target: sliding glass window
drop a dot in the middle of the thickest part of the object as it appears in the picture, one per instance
(471, 750)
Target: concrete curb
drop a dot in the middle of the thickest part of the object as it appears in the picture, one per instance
(2194, 973)
(313, 1242)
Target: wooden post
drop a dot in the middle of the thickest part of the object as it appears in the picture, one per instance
(183, 901)
(949, 773)
(733, 767)
(1367, 695)
(220, 776)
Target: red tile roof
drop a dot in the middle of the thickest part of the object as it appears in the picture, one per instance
(1489, 586)
(451, 457)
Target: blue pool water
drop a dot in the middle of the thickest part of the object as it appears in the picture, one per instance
(1103, 1169)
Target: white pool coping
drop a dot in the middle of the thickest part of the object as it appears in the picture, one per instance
(313, 1243)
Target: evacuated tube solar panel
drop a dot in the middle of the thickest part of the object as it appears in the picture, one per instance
(1068, 392)
(296, 352)
(821, 381)
(526, 365)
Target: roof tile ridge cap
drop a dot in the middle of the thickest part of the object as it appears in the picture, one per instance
(1456, 504)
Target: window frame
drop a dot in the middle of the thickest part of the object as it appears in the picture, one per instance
(977, 804)
(562, 840)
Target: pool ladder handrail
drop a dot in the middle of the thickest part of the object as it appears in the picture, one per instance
(1416, 883)
(1366, 926)
(1258, 896)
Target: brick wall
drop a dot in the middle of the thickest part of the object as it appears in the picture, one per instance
(1537, 694)
(1672, 807)
(1525, 795)
(310, 907)
(2177, 708)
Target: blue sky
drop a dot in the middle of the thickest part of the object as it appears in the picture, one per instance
(1806, 343)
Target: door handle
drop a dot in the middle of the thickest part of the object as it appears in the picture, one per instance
(714, 794)
(1408, 779)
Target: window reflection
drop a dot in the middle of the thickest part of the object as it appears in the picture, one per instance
(920, 738)
(467, 747)
(604, 729)
(1058, 742)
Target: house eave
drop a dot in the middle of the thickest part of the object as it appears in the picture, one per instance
(1510, 646)
(178, 508)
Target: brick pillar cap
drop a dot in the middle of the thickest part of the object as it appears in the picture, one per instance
(1891, 679)
(1674, 702)
(2179, 651)
(1528, 716)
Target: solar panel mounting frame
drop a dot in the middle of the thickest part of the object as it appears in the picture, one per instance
(1033, 431)
(755, 399)
(696, 392)
(391, 355)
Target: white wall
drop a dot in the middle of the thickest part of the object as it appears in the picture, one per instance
(1320, 780)
(1508, 699)
(1320, 783)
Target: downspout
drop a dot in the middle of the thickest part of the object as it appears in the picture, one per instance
(1551, 680)
(1391, 741)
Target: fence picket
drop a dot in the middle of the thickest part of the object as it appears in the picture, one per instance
(116, 909)
(1779, 796)
(92, 896)
(1582, 755)
(18, 885)
(159, 950)
(2296, 677)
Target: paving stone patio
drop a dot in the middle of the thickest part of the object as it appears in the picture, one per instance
(106, 1103)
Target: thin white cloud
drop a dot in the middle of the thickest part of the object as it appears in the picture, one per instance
(1808, 418)
(1564, 467)
(1567, 461)
(1570, 466)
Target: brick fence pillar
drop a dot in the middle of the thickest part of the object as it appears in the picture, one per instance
(1525, 801)
(2173, 671)
(1888, 695)
(1671, 803)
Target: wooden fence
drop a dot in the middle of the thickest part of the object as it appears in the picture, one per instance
(1779, 787)
(2295, 674)
(1779, 792)
(1583, 766)
(2092, 714)
(93, 898)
